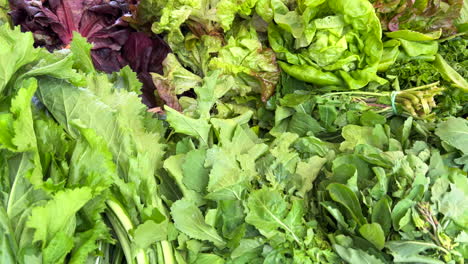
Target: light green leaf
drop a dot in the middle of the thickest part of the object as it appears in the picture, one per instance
(373, 233)
(195, 173)
(81, 50)
(454, 131)
(454, 204)
(86, 243)
(409, 251)
(58, 214)
(356, 255)
(173, 165)
(17, 50)
(414, 35)
(189, 220)
(58, 248)
(355, 135)
(307, 172)
(198, 128)
(150, 232)
(268, 212)
(449, 74)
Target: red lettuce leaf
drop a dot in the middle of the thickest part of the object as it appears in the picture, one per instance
(422, 16)
(115, 43)
(145, 55)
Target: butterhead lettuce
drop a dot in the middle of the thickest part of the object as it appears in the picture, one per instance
(327, 42)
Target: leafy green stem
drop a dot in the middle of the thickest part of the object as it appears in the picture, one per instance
(126, 223)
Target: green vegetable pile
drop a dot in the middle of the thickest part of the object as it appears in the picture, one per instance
(287, 132)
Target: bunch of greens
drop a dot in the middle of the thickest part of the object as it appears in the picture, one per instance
(78, 164)
(278, 132)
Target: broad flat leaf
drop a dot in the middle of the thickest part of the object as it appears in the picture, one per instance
(381, 213)
(449, 74)
(408, 251)
(226, 179)
(208, 93)
(225, 127)
(381, 187)
(198, 128)
(335, 212)
(122, 123)
(400, 210)
(91, 163)
(355, 135)
(81, 50)
(370, 118)
(58, 248)
(454, 204)
(150, 232)
(373, 233)
(17, 50)
(302, 124)
(245, 247)
(189, 220)
(57, 215)
(231, 216)
(195, 173)
(208, 259)
(328, 114)
(268, 212)
(353, 256)
(342, 194)
(173, 165)
(306, 173)
(454, 131)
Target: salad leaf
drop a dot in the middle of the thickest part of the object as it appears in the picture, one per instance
(422, 16)
(327, 46)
